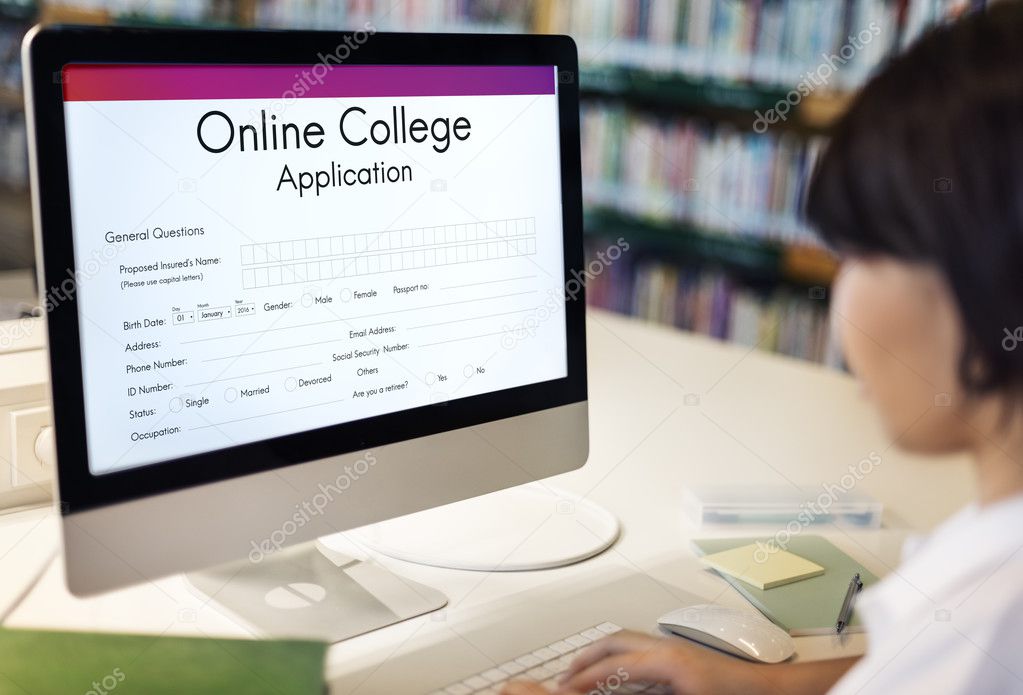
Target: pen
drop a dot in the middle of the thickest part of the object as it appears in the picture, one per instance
(845, 614)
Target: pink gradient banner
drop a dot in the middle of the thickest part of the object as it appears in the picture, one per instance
(178, 82)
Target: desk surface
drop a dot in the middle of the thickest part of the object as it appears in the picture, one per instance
(667, 409)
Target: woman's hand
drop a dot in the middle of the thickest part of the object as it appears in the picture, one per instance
(528, 688)
(685, 667)
(628, 657)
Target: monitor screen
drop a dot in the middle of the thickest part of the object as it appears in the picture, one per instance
(263, 250)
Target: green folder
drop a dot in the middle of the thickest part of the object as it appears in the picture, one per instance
(807, 607)
(38, 661)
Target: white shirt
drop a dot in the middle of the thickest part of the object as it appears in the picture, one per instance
(950, 618)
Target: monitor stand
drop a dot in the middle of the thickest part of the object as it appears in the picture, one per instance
(319, 590)
(530, 527)
(311, 591)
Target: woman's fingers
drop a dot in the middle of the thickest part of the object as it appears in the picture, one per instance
(529, 688)
(613, 671)
(612, 661)
(625, 641)
(524, 688)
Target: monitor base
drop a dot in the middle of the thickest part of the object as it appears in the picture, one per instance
(311, 591)
(530, 527)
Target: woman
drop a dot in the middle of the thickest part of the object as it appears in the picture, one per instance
(921, 193)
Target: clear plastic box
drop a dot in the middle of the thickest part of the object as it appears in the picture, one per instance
(774, 505)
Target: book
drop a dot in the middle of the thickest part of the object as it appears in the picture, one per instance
(780, 42)
(686, 169)
(43, 661)
(714, 302)
(759, 568)
(808, 607)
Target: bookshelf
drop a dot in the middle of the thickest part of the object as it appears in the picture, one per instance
(757, 259)
(691, 76)
(713, 248)
(16, 245)
(18, 11)
(11, 99)
(815, 113)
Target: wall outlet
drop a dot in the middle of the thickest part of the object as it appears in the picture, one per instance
(25, 426)
(24, 413)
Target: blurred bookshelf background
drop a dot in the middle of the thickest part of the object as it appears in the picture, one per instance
(701, 122)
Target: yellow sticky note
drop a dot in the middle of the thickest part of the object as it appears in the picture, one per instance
(763, 568)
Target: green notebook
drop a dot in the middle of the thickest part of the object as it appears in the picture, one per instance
(807, 607)
(37, 661)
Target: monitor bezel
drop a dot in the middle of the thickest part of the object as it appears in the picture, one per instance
(52, 48)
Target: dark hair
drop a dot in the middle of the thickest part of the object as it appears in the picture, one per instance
(927, 166)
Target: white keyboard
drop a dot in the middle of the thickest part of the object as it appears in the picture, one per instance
(545, 665)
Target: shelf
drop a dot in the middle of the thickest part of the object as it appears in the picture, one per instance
(16, 241)
(674, 90)
(809, 264)
(69, 14)
(820, 111)
(18, 11)
(755, 258)
(11, 98)
(144, 21)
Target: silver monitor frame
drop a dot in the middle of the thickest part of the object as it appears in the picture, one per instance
(141, 540)
(113, 544)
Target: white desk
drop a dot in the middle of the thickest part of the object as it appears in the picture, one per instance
(759, 418)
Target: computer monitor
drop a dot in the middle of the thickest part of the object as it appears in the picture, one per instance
(299, 282)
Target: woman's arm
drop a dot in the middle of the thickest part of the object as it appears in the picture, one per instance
(689, 669)
(807, 678)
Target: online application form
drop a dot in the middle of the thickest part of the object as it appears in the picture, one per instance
(254, 260)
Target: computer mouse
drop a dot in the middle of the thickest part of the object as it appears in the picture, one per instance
(742, 632)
